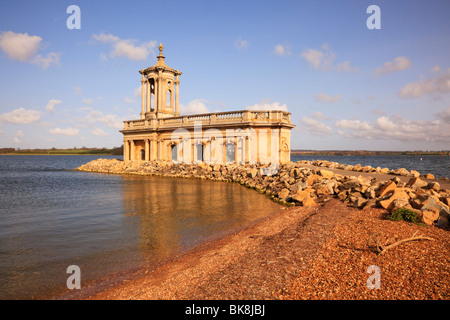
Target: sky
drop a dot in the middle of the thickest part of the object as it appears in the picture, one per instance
(353, 77)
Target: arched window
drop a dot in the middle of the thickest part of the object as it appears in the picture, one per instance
(174, 152)
(230, 152)
(200, 149)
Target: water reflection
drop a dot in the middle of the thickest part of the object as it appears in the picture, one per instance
(174, 214)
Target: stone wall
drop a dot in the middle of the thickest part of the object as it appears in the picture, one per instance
(294, 184)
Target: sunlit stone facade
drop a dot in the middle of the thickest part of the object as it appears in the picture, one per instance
(245, 136)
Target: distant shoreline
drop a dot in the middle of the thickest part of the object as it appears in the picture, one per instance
(367, 153)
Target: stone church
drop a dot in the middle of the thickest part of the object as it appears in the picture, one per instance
(245, 136)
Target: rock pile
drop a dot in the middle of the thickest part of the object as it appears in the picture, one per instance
(294, 184)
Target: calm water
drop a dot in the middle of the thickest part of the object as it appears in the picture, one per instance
(437, 165)
(52, 217)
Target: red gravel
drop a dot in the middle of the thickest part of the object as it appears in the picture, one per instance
(319, 252)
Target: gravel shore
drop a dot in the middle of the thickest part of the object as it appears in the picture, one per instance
(318, 252)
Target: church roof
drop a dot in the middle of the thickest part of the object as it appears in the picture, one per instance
(160, 64)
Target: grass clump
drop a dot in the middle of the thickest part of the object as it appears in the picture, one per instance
(403, 214)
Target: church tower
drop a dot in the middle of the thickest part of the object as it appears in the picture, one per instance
(160, 87)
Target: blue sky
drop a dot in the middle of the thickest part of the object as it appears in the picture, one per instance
(346, 86)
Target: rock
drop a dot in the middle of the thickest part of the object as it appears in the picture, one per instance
(327, 174)
(430, 216)
(283, 194)
(398, 193)
(301, 195)
(429, 176)
(415, 174)
(434, 186)
(415, 183)
(370, 193)
(401, 172)
(308, 202)
(386, 188)
(253, 173)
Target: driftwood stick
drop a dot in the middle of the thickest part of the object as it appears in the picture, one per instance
(381, 249)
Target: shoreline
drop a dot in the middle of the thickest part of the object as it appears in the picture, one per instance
(298, 253)
(221, 260)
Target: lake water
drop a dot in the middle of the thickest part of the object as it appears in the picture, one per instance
(436, 165)
(52, 217)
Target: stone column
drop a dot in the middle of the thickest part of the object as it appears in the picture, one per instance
(132, 150)
(235, 150)
(147, 150)
(126, 151)
(224, 151)
(177, 85)
(148, 95)
(143, 81)
(247, 149)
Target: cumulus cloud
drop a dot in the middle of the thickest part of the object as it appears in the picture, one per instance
(323, 60)
(433, 86)
(398, 128)
(50, 107)
(399, 64)
(99, 132)
(23, 47)
(196, 106)
(21, 116)
(323, 97)
(127, 48)
(281, 50)
(314, 126)
(88, 101)
(241, 43)
(265, 105)
(110, 120)
(65, 132)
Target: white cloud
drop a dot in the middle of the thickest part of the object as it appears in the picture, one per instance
(21, 116)
(44, 63)
(266, 106)
(314, 126)
(281, 50)
(241, 44)
(88, 101)
(127, 48)
(439, 84)
(128, 100)
(194, 107)
(23, 47)
(436, 68)
(99, 132)
(110, 120)
(19, 46)
(323, 60)
(65, 132)
(323, 97)
(19, 134)
(399, 64)
(399, 128)
(51, 105)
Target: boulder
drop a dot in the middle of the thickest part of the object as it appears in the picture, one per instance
(327, 174)
(387, 187)
(301, 195)
(415, 173)
(398, 193)
(283, 194)
(308, 202)
(415, 183)
(430, 216)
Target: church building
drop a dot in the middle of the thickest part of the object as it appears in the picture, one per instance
(245, 136)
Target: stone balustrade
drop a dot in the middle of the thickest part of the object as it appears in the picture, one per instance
(245, 116)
